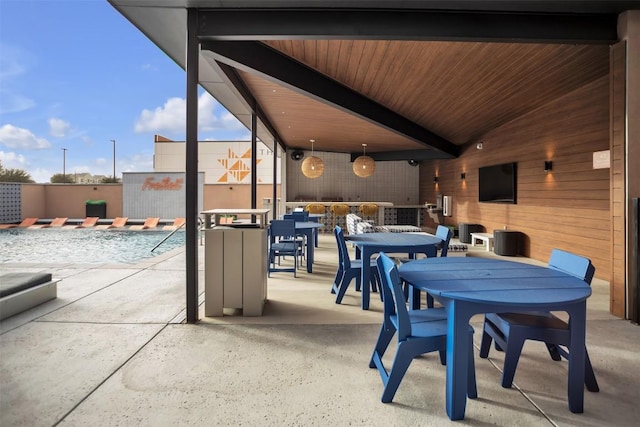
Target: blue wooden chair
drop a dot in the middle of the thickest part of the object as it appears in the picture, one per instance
(511, 330)
(445, 234)
(349, 269)
(281, 244)
(299, 216)
(419, 332)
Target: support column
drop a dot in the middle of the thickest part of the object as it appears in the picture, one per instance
(254, 160)
(191, 167)
(275, 206)
(631, 33)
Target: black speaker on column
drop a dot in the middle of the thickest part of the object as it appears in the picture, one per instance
(634, 314)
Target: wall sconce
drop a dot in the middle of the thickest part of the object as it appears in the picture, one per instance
(435, 179)
(548, 165)
(463, 176)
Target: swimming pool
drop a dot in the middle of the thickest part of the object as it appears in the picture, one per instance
(80, 246)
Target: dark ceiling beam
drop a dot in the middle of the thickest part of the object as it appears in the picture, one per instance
(416, 155)
(245, 93)
(257, 58)
(426, 25)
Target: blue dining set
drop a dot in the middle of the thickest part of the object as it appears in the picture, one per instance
(518, 301)
(295, 236)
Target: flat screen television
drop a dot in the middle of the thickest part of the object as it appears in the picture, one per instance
(497, 183)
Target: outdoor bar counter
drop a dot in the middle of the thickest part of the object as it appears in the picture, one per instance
(388, 213)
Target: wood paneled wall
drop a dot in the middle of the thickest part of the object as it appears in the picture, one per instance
(618, 241)
(567, 208)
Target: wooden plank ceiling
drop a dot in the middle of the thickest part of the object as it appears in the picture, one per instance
(457, 90)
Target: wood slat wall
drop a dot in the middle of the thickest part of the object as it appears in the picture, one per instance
(618, 243)
(567, 208)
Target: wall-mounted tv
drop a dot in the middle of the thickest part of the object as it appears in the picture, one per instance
(497, 183)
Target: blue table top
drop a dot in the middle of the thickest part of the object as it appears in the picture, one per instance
(308, 224)
(493, 281)
(392, 239)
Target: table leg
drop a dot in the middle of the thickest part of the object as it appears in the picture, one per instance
(414, 297)
(309, 238)
(365, 277)
(577, 326)
(315, 231)
(457, 358)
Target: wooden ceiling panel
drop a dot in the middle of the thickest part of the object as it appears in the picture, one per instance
(457, 90)
(298, 119)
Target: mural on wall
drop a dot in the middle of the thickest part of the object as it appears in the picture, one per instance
(237, 167)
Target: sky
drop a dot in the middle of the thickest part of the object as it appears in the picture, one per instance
(75, 74)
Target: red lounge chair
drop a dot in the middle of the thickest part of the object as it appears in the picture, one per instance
(149, 223)
(118, 222)
(58, 222)
(27, 222)
(177, 223)
(90, 221)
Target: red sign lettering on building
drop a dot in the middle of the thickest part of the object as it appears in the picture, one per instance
(165, 185)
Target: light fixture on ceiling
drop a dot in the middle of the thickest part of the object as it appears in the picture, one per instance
(548, 165)
(312, 167)
(364, 166)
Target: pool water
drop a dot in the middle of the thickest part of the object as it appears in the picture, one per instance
(80, 246)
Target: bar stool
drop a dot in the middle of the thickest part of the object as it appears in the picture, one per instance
(368, 211)
(338, 210)
(315, 208)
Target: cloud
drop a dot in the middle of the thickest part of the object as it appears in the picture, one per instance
(171, 117)
(22, 139)
(14, 62)
(137, 162)
(11, 160)
(41, 175)
(12, 103)
(58, 127)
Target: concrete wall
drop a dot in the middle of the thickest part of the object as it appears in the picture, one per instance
(234, 196)
(68, 200)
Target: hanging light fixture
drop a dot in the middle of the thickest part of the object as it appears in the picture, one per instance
(364, 166)
(312, 167)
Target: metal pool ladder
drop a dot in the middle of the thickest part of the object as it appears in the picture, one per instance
(170, 234)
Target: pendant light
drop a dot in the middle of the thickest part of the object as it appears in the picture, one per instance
(364, 166)
(312, 167)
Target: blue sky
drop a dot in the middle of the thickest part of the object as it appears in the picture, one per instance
(76, 74)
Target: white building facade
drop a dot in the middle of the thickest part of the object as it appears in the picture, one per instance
(222, 162)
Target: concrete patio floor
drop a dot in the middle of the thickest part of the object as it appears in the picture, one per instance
(113, 349)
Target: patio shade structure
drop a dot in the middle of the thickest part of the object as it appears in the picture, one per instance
(348, 73)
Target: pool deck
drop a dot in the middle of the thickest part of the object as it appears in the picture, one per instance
(113, 349)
